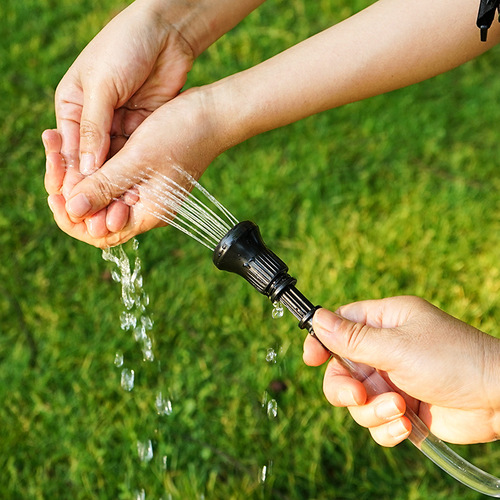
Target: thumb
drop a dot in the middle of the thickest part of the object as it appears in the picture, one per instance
(95, 127)
(98, 190)
(355, 341)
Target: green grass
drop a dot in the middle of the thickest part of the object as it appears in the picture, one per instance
(395, 195)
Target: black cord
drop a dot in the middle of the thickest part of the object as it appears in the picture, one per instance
(486, 15)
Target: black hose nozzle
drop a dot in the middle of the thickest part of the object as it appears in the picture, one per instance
(243, 251)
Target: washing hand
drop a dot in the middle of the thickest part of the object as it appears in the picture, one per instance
(445, 370)
(176, 135)
(136, 64)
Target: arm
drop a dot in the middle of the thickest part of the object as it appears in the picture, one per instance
(390, 44)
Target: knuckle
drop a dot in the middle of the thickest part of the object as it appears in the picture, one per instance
(89, 131)
(103, 188)
(355, 334)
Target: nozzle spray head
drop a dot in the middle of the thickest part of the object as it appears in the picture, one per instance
(243, 251)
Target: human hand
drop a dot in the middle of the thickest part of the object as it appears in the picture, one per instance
(444, 369)
(120, 200)
(135, 64)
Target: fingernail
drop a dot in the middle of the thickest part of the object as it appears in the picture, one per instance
(327, 320)
(346, 398)
(397, 429)
(87, 164)
(79, 205)
(91, 227)
(387, 410)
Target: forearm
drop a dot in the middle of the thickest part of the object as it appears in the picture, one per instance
(202, 22)
(389, 45)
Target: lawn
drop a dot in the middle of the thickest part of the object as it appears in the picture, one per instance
(394, 195)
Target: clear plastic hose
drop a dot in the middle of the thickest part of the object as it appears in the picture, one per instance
(432, 447)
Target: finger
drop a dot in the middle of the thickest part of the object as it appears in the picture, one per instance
(131, 197)
(55, 165)
(314, 353)
(340, 388)
(110, 182)
(391, 433)
(117, 216)
(52, 141)
(96, 225)
(55, 170)
(98, 190)
(79, 230)
(57, 205)
(68, 113)
(359, 342)
(390, 312)
(379, 409)
(95, 127)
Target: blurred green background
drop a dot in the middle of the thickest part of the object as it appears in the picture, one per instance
(394, 195)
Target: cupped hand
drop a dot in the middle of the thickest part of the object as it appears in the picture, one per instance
(134, 65)
(446, 370)
(123, 197)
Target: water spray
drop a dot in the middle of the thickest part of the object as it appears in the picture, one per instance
(242, 251)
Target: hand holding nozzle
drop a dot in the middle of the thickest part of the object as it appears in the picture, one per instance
(401, 344)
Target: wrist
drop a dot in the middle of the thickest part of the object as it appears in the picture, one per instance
(201, 23)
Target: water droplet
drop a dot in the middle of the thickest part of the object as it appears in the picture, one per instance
(147, 322)
(163, 406)
(140, 495)
(139, 333)
(127, 380)
(165, 462)
(148, 354)
(135, 244)
(263, 474)
(266, 471)
(277, 310)
(145, 451)
(272, 408)
(118, 359)
(271, 355)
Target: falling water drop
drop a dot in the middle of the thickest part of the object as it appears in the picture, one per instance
(263, 474)
(277, 310)
(163, 406)
(272, 408)
(145, 451)
(127, 380)
(266, 471)
(118, 359)
(140, 495)
(271, 355)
